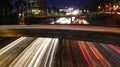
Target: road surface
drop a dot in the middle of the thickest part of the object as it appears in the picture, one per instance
(46, 52)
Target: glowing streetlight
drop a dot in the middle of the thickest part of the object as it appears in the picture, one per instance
(115, 7)
(99, 7)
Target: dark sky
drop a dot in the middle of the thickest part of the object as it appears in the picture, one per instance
(68, 3)
(14, 1)
(65, 3)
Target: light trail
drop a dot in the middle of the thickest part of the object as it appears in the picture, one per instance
(55, 46)
(98, 55)
(74, 53)
(11, 45)
(114, 48)
(88, 54)
(83, 53)
(115, 56)
(33, 55)
(26, 53)
(48, 54)
(107, 55)
(42, 53)
(12, 52)
(68, 49)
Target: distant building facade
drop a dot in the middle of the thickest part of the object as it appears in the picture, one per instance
(35, 7)
(103, 5)
(6, 15)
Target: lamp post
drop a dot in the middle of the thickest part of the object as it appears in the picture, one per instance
(99, 7)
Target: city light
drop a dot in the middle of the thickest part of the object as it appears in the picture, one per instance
(115, 7)
(106, 6)
(99, 7)
(75, 12)
(35, 11)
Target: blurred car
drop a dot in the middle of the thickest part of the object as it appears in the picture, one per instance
(80, 20)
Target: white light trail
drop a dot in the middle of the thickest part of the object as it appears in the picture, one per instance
(11, 45)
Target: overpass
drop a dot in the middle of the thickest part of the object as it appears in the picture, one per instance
(86, 33)
(54, 17)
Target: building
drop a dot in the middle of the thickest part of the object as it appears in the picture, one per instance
(103, 5)
(5, 11)
(35, 7)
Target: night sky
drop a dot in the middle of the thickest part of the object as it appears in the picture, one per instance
(68, 3)
(65, 3)
(13, 2)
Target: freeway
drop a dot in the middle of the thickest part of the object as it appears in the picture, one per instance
(46, 52)
(90, 54)
(51, 52)
(6, 40)
(29, 51)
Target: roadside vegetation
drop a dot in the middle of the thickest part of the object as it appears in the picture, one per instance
(105, 20)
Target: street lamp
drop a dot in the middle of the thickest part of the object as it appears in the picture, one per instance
(115, 7)
(99, 7)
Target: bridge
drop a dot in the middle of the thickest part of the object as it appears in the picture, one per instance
(86, 33)
(57, 16)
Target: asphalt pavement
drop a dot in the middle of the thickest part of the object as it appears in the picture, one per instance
(48, 52)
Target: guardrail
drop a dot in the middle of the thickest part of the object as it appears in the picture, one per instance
(86, 33)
